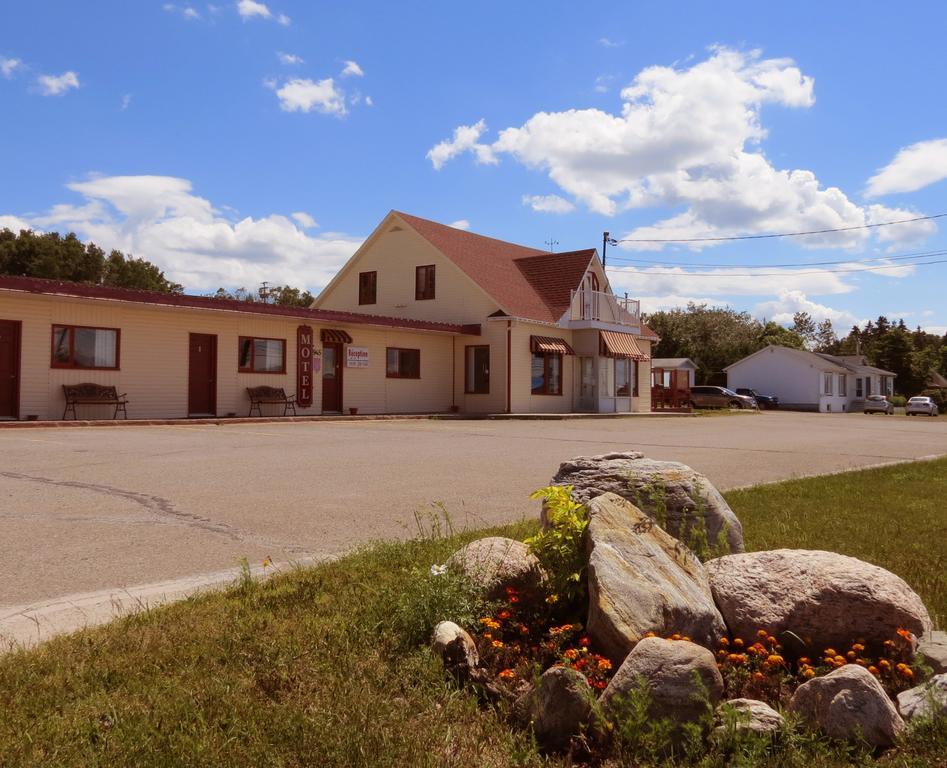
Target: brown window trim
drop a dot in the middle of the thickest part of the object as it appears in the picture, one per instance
(467, 349)
(251, 368)
(389, 374)
(422, 295)
(363, 299)
(545, 389)
(53, 363)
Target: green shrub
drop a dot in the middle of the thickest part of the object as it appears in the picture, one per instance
(939, 396)
(898, 401)
(560, 547)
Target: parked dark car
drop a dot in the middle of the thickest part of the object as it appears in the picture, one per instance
(719, 397)
(763, 401)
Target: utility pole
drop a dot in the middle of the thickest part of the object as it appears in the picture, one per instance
(552, 245)
(606, 241)
(264, 292)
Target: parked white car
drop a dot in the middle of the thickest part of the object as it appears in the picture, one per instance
(923, 405)
(878, 404)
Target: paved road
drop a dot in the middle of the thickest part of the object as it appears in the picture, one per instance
(93, 508)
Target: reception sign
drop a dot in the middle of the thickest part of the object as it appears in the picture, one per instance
(356, 357)
(304, 366)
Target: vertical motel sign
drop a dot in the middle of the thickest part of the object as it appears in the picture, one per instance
(304, 366)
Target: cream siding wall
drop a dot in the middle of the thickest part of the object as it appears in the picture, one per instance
(154, 359)
(394, 256)
(642, 403)
(493, 335)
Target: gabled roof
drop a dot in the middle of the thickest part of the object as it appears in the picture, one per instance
(855, 364)
(809, 358)
(937, 381)
(525, 282)
(88, 291)
(673, 362)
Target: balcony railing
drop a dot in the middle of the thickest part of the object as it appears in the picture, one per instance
(604, 308)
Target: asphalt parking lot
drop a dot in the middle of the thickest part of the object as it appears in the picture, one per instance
(86, 509)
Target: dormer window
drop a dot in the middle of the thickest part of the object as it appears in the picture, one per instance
(424, 283)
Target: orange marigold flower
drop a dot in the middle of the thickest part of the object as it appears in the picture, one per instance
(858, 647)
(772, 642)
(884, 664)
(774, 660)
(874, 670)
(507, 674)
(487, 636)
(839, 659)
(805, 660)
(762, 634)
(675, 636)
(722, 653)
(759, 676)
(831, 652)
(497, 643)
(738, 643)
(686, 638)
(851, 655)
(504, 615)
(808, 673)
(650, 634)
(572, 654)
(723, 641)
(604, 664)
(907, 673)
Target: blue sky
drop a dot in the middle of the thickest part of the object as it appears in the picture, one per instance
(240, 141)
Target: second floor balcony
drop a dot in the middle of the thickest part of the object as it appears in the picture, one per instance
(600, 307)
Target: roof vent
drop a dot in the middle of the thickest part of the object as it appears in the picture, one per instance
(396, 228)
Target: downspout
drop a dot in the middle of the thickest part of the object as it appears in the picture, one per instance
(509, 366)
(453, 373)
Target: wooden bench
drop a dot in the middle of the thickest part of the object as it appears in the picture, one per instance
(93, 394)
(270, 396)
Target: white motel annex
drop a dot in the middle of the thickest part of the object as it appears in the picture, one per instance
(424, 318)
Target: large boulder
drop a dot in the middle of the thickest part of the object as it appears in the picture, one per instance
(455, 647)
(681, 677)
(642, 580)
(751, 716)
(495, 563)
(682, 501)
(827, 599)
(558, 707)
(933, 648)
(849, 704)
(925, 700)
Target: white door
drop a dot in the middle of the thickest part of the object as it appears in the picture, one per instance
(586, 384)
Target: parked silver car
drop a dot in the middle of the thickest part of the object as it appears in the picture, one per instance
(878, 404)
(917, 405)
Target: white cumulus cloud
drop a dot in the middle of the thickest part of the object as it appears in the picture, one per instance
(249, 9)
(9, 66)
(161, 219)
(548, 203)
(465, 139)
(688, 139)
(352, 69)
(289, 59)
(56, 85)
(304, 220)
(789, 302)
(913, 168)
(305, 95)
(460, 224)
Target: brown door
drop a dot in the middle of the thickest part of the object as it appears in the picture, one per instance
(202, 375)
(332, 377)
(9, 369)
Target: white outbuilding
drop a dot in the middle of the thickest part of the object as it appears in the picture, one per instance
(810, 381)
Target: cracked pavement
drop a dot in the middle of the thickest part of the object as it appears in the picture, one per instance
(84, 509)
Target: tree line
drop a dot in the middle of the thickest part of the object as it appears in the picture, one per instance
(715, 337)
(56, 257)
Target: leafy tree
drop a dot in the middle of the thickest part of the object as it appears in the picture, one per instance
(50, 255)
(779, 335)
(281, 295)
(804, 325)
(825, 339)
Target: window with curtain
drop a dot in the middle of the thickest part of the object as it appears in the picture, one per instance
(546, 373)
(424, 282)
(843, 385)
(622, 377)
(367, 287)
(403, 363)
(257, 355)
(75, 346)
(827, 384)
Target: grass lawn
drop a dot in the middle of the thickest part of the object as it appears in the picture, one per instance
(327, 665)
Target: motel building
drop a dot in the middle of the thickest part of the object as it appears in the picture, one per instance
(424, 318)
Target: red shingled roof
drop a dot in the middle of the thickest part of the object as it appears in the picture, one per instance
(525, 282)
(87, 291)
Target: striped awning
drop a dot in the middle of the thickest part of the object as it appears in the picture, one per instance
(615, 344)
(550, 344)
(333, 335)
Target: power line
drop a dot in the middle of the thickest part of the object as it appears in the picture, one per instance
(662, 263)
(776, 234)
(805, 272)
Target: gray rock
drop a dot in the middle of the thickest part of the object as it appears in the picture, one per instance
(849, 704)
(926, 700)
(933, 648)
(825, 598)
(671, 669)
(642, 580)
(495, 563)
(753, 716)
(455, 647)
(558, 707)
(681, 500)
